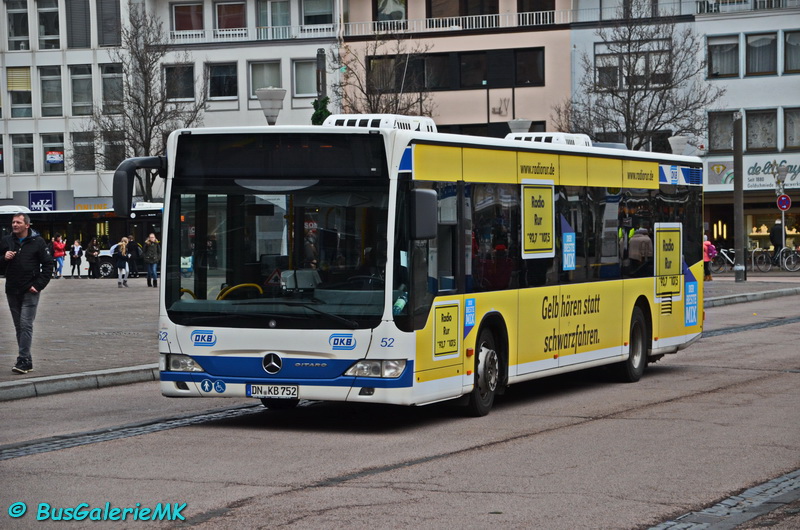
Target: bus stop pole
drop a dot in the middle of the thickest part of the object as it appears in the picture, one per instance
(739, 267)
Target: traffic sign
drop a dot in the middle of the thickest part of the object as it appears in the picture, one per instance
(784, 202)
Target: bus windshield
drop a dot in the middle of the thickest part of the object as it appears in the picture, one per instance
(300, 253)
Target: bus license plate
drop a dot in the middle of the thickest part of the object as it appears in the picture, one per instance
(273, 391)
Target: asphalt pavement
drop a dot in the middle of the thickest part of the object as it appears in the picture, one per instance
(92, 334)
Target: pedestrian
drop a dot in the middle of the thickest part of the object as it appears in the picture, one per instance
(92, 256)
(136, 253)
(75, 253)
(121, 258)
(709, 251)
(59, 251)
(776, 238)
(27, 264)
(152, 255)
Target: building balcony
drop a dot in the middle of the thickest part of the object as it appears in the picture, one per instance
(466, 23)
(741, 6)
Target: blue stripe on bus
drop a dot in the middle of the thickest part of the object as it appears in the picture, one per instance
(262, 378)
(405, 161)
(293, 368)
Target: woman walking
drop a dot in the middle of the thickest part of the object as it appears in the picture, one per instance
(121, 256)
(152, 255)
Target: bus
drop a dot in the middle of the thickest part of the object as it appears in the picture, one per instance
(368, 260)
(83, 225)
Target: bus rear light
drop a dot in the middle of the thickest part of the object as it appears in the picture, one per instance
(470, 352)
(389, 368)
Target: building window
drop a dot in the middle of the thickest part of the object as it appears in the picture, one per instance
(108, 23)
(381, 76)
(606, 71)
(113, 149)
(437, 72)
(83, 151)
(791, 52)
(19, 88)
(50, 79)
(222, 81)
(791, 122)
(2, 158)
(723, 56)
(529, 67)
(305, 78)
(386, 10)
(456, 8)
(53, 148)
(78, 35)
(187, 17)
(18, 25)
(48, 24)
(179, 81)
(22, 146)
(762, 130)
(81, 82)
(762, 54)
(273, 19)
(720, 132)
(112, 88)
(317, 12)
(231, 16)
(264, 75)
(472, 73)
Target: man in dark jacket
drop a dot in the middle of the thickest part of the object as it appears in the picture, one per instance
(776, 238)
(27, 265)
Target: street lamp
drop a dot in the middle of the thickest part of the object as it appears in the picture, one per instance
(271, 100)
(780, 172)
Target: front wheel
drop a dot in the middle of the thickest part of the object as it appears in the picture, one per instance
(487, 375)
(107, 269)
(763, 261)
(792, 261)
(631, 370)
(717, 264)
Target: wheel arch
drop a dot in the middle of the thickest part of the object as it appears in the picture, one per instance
(644, 304)
(497, 325)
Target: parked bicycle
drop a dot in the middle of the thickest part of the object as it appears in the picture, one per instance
(788, 259)
(725, 259)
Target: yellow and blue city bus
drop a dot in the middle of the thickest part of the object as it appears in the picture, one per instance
(375, 260)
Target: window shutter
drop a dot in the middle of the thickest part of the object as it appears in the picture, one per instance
(78, 24)
(19, 79)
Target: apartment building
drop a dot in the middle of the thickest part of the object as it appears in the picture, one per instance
(57, 65)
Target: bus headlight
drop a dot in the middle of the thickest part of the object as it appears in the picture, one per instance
(182, 363)
(390, 368)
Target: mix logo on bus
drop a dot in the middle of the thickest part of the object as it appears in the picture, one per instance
(204, 337)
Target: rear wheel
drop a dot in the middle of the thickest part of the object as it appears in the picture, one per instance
(487, 375)
(792, 261)
(107, 269)
(717, 264)
(631, 370)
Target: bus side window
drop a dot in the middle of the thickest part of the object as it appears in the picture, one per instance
(495, 235)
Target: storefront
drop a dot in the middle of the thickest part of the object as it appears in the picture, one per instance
(760, 199)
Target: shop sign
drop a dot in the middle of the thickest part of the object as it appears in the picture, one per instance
(758, 173)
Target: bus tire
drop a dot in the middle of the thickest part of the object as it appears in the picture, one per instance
(487, 375)
(631, 370)
(106, 268)
(279, 404)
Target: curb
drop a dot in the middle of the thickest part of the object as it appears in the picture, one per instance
(55, 384)
(719, 301)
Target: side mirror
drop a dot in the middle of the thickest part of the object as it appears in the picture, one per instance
(125, 176)
(424, 214)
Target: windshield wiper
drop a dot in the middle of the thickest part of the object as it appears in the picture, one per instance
(217, 317)
(351, 323)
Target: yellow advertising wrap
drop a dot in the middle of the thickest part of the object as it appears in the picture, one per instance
(437, 162)
(537, 166)
(637, 174)
(572, 171)
(605, 172)
(489, 165)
